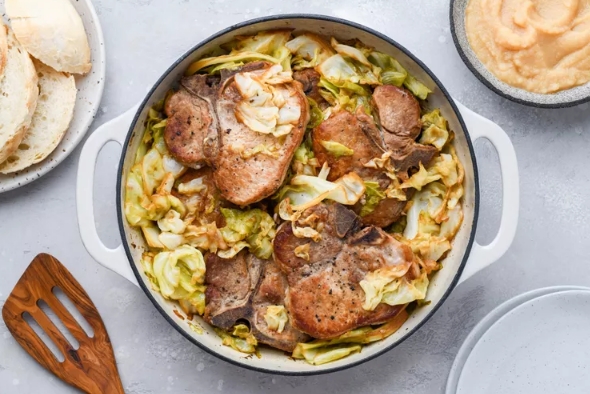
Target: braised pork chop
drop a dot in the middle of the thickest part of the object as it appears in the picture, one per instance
(191, 119)
(338, 222)
(271, 291)
(407, 154)
(242, 288)
(398, 111)
(359, 133)
(324, 297)
(346, 129)
(399, 114)
(242, 180)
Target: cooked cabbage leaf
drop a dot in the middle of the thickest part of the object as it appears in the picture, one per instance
(381, 286)
(276, 317)
(205, 237)
(327, 350)
(232, 58)
(316, 116)
(336, 149)
(180, 275)
(172, 222)
(394, 190)
(255, 227)
(309, 50)
(373, 196)
(305, 191)
(435, 129)
(241, 339)
(374, 283)
(351, 52)
(417, 88)
(345, 74)
(393, 73)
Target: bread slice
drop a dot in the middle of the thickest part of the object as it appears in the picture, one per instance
(51, 31)
(55, 108)
(18, 96)
(3, 49)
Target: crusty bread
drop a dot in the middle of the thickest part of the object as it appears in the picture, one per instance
(18, 96)
(51, 31)
(55, 108)
(3, 49)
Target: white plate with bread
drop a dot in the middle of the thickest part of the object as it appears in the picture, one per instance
(52, 74)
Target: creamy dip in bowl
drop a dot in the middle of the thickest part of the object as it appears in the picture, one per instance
(535, 52)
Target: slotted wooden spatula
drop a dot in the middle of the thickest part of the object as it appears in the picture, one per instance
(92, 367)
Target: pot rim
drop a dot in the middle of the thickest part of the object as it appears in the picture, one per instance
(121, 219)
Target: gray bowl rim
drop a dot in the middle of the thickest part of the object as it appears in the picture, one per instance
(121, 219)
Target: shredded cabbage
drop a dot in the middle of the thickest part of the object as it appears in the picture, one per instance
(435, 129)
(309, 50)
(305, 191)
(180, 275)
(394, 190)
(345, 74)
(327, 350)
(373, 196)
(316, 116)
(393, 73)
(276, 317)
(272, 151)
(302, 251)
(267, 107)
(336, 149)
(351, 52)
(235, 58)
(195, 185)
(241, 339)
(381, 286)
(254, 227)
(417, 88)
(205, 237)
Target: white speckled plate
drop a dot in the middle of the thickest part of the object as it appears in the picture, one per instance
(537, 343)
(90, 88)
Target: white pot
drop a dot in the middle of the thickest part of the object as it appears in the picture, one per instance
(466, 258)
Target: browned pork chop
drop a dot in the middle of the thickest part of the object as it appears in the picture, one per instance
(398, 111)
(242, 288)
(191, 119)
(359, 133)
(242, 180)
(271, 291)
(338, 222)
(324, 296)
(347, 129)
(407, 154)
(399, 114)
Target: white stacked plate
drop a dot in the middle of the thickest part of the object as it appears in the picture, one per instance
(535, 343)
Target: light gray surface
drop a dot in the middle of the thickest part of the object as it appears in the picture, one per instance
(143, 37)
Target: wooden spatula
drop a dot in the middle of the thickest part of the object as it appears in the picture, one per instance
(92, 367)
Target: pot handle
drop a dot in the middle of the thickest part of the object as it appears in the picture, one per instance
(113, 259)
(483, 255)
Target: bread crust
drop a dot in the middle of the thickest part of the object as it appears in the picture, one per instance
(51, 31)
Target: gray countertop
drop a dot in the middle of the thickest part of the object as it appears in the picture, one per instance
(142, 38)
